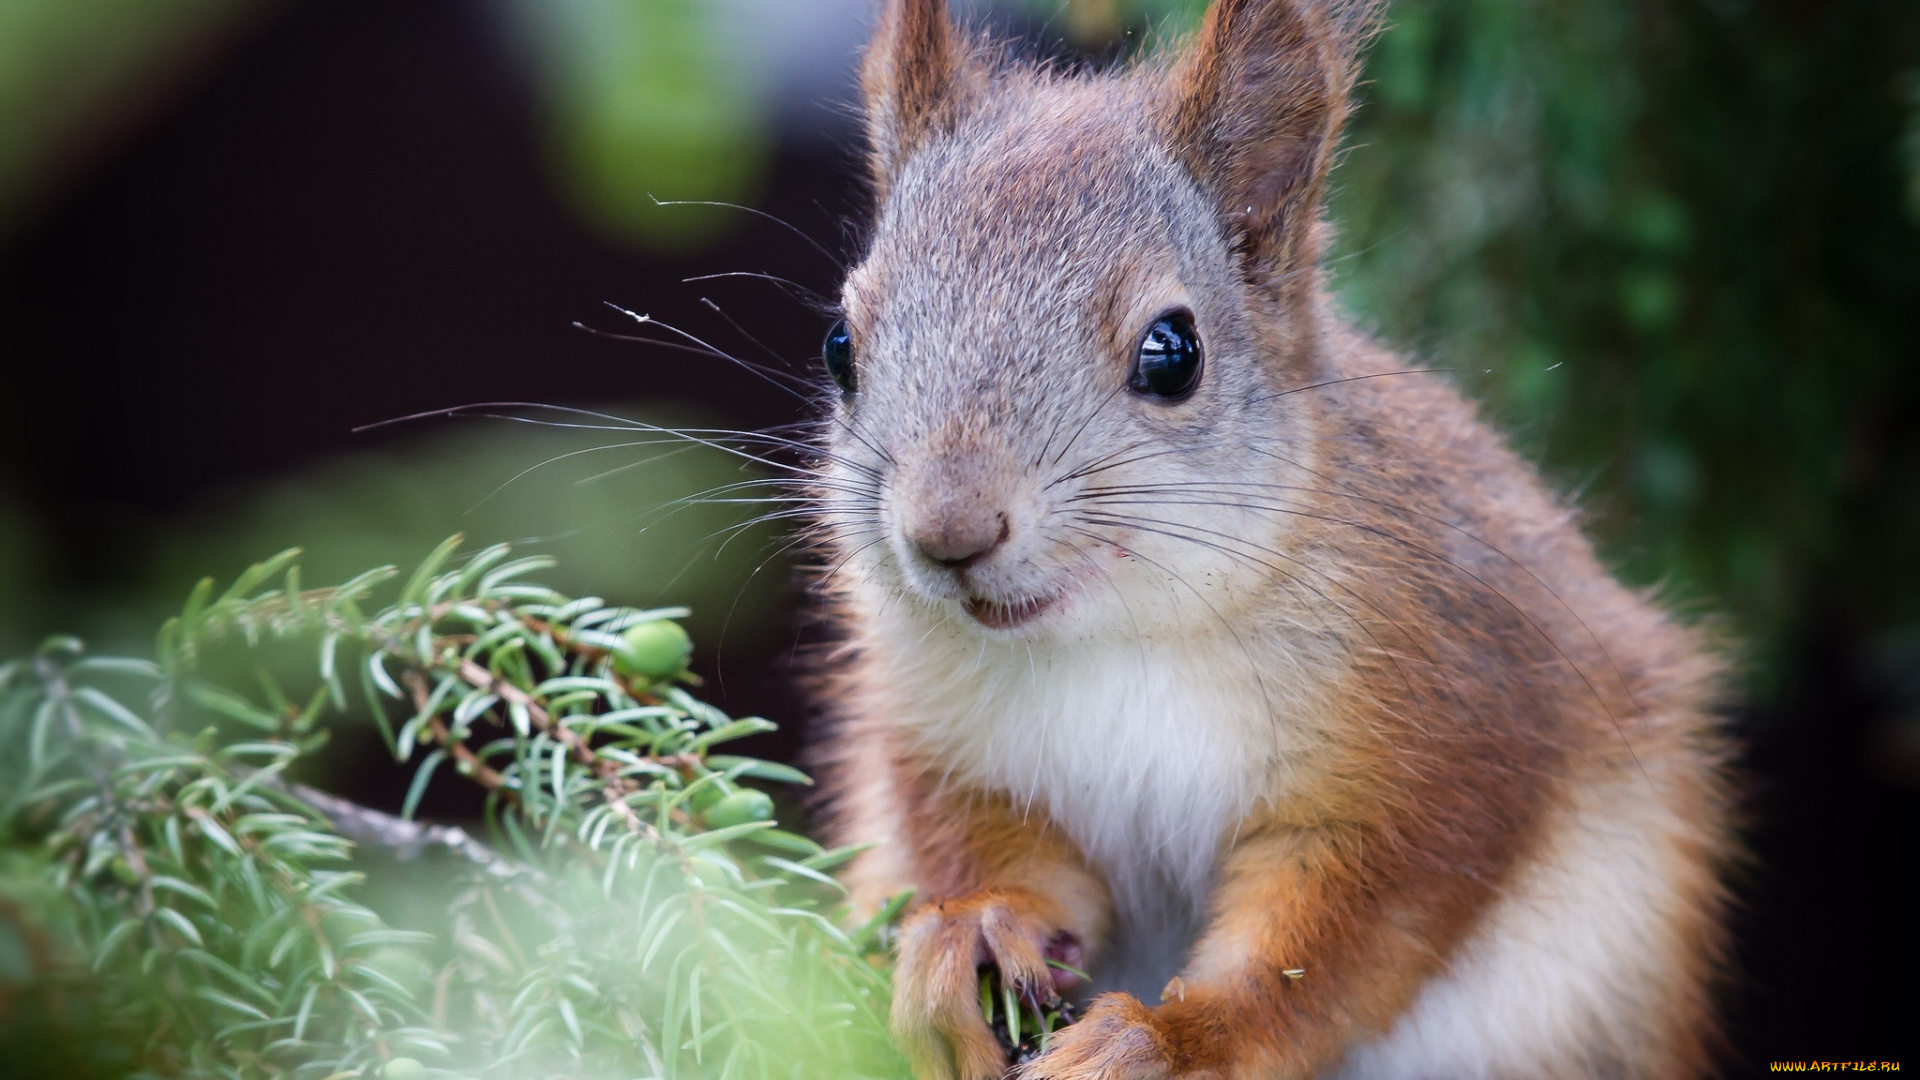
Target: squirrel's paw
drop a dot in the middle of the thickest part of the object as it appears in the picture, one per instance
(1117, 1039)
(936, 984)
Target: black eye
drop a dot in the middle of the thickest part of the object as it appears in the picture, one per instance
(1168, 366)
(837, 351)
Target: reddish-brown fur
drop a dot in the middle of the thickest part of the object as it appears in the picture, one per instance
(1494, 687)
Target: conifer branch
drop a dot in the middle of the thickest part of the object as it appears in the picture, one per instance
(636, 911)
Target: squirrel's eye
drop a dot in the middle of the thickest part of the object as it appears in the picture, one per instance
(837, 351)
(1168, 365)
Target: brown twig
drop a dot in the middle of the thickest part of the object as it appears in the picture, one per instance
(464, 758)
(617, 799)
(482, 679)
(468, 762)
(617, 787)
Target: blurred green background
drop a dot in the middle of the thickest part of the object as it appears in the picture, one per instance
(1675, 246)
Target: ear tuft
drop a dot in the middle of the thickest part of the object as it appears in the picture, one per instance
(917, 78)
(1259, 98)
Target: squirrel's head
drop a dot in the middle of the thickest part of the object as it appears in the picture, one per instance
(1065, 355)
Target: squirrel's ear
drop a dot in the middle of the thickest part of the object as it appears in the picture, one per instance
(917, 76)
(1258, 100)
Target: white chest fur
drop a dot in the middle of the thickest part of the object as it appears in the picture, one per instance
(1148, 754)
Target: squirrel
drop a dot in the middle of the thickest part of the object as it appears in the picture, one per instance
(1194, 640)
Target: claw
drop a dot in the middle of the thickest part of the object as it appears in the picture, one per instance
(1116, 1040)
(939, 1012)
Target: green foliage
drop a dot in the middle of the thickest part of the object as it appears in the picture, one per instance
(192, 912)
(206, 910)
(1674, 245)
(647, 104)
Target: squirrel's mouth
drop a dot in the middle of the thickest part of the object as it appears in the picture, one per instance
(999, 615)
(995, 614)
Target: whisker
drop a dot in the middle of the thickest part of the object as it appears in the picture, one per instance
(766, 436)
(741, 592)
(865, 439)
(742, 331)
(620, 423)
(783, 223)
(781, 379)
(1100, 465)
(675, 346)
(618, 469)
(635, 339)
(811, 299)
(810, 513)
(1353, 379)
(734, 532)
(1083, 424)
(707, 497)
(851, 555)
(859, 436)
(557, 458)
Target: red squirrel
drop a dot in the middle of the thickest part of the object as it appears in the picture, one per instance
(1196, 640)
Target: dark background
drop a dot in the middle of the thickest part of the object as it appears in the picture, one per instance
(347, 215)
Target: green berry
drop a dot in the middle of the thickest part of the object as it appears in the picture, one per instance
(404, 1068)
(653, 650)
(708, 793)
(123, 870)
(739, 808)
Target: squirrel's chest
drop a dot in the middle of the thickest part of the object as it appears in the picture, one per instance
(1147, 757)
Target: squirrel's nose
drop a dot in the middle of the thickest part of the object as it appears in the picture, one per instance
(961, 541)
